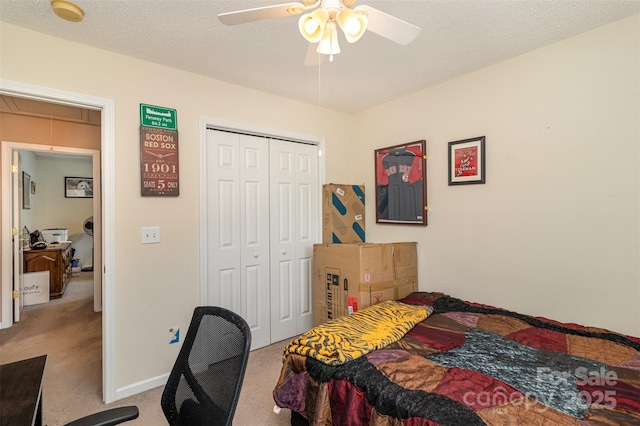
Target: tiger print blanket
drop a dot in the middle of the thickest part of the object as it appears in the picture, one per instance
(352, 336)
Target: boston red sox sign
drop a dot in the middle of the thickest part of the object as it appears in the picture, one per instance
(159, 162)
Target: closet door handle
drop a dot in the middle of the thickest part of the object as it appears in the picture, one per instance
(284, 252)
(255, 255)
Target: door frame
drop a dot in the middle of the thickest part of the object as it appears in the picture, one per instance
(107, 173)
(16, 224)
(249, 129)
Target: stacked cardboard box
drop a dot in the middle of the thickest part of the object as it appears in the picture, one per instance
(349, 277)
(343, 214)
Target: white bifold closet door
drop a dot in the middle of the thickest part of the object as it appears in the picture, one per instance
(262, 222)
(295, 211)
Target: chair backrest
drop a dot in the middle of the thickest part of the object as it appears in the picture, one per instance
(205, 382)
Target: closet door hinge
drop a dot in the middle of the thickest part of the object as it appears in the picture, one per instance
(14, 168)
(14, 231)
(15, 294)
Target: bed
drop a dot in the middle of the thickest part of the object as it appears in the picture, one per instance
(459, 363)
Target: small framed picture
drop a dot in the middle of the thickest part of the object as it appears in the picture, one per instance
(26, 191)
(466, 161)
(78, 187)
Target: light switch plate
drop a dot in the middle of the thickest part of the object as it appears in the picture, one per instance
(150, 235)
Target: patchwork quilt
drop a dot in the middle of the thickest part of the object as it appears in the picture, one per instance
(472, 364)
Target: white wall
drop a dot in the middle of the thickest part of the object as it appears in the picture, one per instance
(55, 210)
(555, 230)
(157, 286)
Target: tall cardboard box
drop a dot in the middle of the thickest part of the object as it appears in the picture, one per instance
(343, 214)
(350, 277)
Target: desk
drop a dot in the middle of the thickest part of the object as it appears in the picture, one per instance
(21, 392)
(57, 260)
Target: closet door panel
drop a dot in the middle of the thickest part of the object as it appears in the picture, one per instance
(308, 189)
(294, 200)
(254, 236)
(305, 316)
(283, 221)
(228, 280)
(284, 288)
(223, 232)
(305, 237)
(238, 228)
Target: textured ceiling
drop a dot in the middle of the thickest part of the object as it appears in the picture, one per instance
(457, 37)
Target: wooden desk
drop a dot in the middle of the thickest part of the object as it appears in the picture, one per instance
(21, 392)
(57, 260)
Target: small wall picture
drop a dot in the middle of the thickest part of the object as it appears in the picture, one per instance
(466, 161)
(26, 191)
(78, 187)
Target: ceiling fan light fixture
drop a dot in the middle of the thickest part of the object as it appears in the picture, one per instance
(329, 43)
(320, 18)
(311, 25)
(67, 10)
(352, 24)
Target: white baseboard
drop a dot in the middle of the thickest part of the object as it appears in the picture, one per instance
(143, 386)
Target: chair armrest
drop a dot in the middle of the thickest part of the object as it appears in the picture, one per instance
(110, 417)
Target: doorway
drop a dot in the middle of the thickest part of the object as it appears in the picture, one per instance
(105, 249)
(50, 208)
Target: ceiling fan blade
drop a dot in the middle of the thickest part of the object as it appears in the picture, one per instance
(313, 58)
(389, 26)
(260, 13)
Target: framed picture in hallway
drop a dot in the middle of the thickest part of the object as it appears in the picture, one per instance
(78, 187)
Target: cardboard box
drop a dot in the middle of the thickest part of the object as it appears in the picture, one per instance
(350, 277)
(343, 214)
(35, 289)
(55, 235)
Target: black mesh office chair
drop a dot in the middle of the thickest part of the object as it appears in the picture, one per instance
(204, 385)
(205, 382)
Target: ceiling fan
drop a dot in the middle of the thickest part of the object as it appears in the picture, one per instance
(320, 20)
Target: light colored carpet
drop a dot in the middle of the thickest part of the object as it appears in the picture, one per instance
(69, 332)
